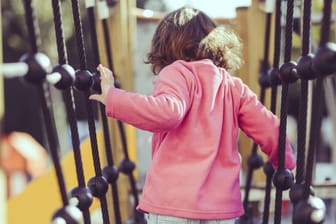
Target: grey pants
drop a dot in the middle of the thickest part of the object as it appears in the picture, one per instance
(162, 219)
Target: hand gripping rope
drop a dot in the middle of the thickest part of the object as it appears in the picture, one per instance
(110, 172)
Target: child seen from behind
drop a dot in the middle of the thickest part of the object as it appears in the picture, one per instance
(195, 113)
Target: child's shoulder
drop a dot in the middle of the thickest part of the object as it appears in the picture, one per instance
(192, 65)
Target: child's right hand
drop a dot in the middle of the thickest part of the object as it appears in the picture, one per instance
(107, 82)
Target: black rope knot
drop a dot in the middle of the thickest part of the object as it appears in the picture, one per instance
(39, 66)
(274, 76)
(305, 67)
(98, 186)
(283, 179)
(127, 166)
(264, 81)
(268, 169)
(324, 60)
(96, 82)
(255, 161)
(111, 173)
(67, 76)
(84, 197)
(83, 80)
(288, 72)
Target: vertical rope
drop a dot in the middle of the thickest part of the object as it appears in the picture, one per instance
(35, 41)
(268, 169)
(276, 59)
(276, 56)
(139, 218)
(302, 119)
(316, 119)
(32, 26)
(69, 102)
(283, 110)
(107, 141)
(79, 34)
(301, 135)
(106, 32)
(89, 106)
(81, 53)
(263, 80)
(277, 36)
(62, 54)
(267, 41)
(325, 28)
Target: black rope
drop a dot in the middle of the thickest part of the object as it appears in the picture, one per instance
(306, 24)
(283, 109)
(106, 32)
(276, 59)
(106, 133)
(62, 53)
(79, 34)
(139, 218)
(52, 140)
(276, 56)
(81, 52)
(110, 162)
(267, 41)
(316, 118)
(302, 117)
(127, 166)
(32, 26)
(325, 28)
(256, 160)
(69, 102)
(301, 135)
(284, 92)
(89, 106)
(277, 36)
(269, 171)
(35, 41)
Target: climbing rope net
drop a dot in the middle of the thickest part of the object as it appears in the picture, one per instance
(311, 67)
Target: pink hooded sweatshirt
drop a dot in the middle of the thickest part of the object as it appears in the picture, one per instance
(195, 113)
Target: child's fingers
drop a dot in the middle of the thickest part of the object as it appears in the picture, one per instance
(102, 71)
(106, 77)
(97, 97)
(94, 96)
(99, 67)
(105, 73)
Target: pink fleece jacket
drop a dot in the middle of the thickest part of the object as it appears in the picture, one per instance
(195, 113)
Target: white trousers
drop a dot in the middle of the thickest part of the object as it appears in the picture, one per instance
(162, 219)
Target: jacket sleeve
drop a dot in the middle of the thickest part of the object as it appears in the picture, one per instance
(161, 111)
(260, 124)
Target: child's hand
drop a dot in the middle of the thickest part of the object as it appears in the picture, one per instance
(107, 82)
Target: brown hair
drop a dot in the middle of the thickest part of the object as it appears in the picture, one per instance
(189, 34)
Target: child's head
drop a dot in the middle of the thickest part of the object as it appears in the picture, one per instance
(189, 34)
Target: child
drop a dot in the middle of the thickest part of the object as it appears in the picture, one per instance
(195, 113)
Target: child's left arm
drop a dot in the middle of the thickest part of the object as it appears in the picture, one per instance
(263, 127)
